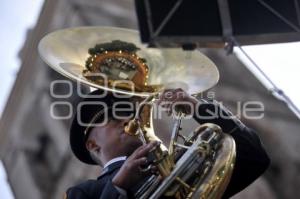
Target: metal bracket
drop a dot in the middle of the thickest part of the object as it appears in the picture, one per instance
(226, 25)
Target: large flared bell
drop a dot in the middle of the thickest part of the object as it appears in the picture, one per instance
(141, 71)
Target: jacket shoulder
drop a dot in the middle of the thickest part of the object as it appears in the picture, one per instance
(87, 189)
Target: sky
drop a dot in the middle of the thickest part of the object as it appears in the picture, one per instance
(16, 16)
(279, 61)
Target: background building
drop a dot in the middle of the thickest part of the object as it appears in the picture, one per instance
(34, 147)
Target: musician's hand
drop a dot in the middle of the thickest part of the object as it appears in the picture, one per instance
(177, 100)
(130, 172)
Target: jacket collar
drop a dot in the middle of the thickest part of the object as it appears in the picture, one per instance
(111, 167)
(114, 160)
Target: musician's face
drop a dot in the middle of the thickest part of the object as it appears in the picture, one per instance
(111, 141)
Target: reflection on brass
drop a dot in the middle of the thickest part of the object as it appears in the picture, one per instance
(118, 61)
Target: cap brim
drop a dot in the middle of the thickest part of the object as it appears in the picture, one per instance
(81, 122)
(77, 142)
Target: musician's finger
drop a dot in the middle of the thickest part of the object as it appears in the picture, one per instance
(139, 162)
(145, 151)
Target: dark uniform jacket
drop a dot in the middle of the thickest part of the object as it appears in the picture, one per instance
(251, 159)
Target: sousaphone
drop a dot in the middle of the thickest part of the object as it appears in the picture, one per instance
(113, 59)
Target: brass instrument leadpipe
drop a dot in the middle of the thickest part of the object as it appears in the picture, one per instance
(142, 125)
(174, 135)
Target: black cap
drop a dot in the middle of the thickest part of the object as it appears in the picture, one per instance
(93, 104)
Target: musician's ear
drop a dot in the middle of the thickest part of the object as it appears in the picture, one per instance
(91, 145)
(94, 150)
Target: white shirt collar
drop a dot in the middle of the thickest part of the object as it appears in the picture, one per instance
(117, 159)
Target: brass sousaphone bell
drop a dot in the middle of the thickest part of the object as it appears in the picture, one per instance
(113, 59)
(67, 51)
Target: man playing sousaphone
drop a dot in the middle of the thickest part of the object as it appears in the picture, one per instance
(122, 155)
(111, 131)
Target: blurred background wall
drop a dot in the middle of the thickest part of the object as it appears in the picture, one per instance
(34, 147)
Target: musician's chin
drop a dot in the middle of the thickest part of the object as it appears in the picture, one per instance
(131, 143)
